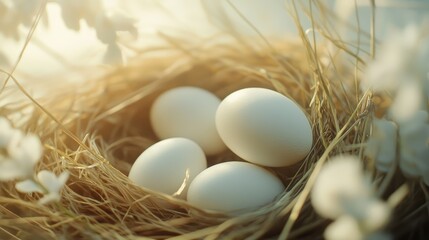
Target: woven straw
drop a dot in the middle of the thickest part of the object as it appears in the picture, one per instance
(96, 131)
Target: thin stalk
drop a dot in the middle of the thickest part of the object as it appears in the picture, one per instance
(312, 179)
(372, 29)
(39, 14)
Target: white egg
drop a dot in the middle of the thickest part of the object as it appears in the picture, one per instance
(264, 127)
(163, 166)
(234, 187)
(188, 112)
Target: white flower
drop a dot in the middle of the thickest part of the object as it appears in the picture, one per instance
(376, 216)
(6, 132)
(46, 183)
(414, 142)
(26, 148)
(106, 28)
(345, 227)
(113, 54)
(121, 22)
(343, 192)
(403, 57)
(106, 25)
(75, 10)
(408, 100)
(19, 153)
(94, 14)
(381, 146)
(402, 69)
(413, 138)
(340, 183)
(15, 13)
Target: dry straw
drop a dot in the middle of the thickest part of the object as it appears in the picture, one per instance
(97, 130)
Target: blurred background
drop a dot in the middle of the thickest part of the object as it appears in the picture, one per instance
(58, 52)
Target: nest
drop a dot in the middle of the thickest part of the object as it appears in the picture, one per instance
(96, 131)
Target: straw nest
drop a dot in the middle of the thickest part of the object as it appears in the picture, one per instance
(96, 131)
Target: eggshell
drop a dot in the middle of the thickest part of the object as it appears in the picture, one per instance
(264, 127)
(188, 112)
(162, 167)
(234, 187)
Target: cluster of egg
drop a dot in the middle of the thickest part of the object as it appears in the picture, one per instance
(261, 126)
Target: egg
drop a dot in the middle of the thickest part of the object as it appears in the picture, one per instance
(264, 127)
(234, 188)
(188, 112)
(164, 166)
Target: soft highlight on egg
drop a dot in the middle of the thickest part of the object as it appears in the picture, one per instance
(167, 165)
(188, 112)
(234, 188)
(264, 127)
